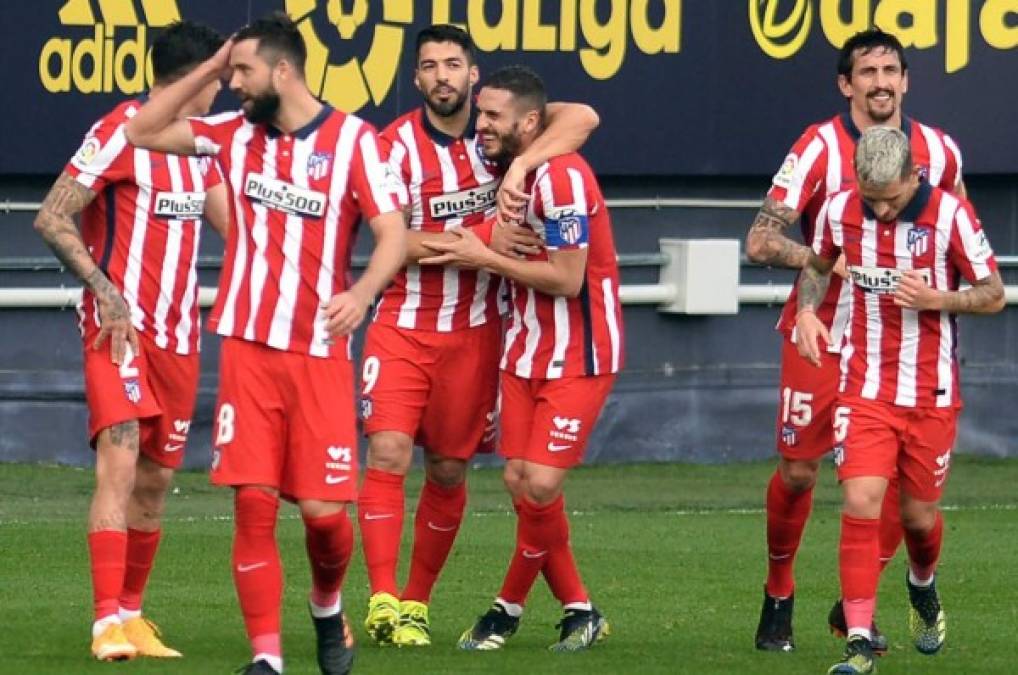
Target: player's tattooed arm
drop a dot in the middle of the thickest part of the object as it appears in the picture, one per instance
(986, 296)
(813, 282)
(767, 243)
(55, 222)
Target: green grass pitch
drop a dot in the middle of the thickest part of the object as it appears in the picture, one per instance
(673, 555)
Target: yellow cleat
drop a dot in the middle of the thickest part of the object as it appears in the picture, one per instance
(383, 617)
(414, 629)
(113, 645)
(144, 635)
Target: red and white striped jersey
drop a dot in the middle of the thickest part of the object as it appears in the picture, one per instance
(893, 354)
(448, 184)
(143, 228)
(550, 337)
(821, 163)
(295, 203)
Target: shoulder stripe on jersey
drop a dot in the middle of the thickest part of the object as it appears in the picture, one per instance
(793, 195)
(834, 177)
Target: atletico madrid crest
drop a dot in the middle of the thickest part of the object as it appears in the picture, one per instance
(318, 165)
(918, 240)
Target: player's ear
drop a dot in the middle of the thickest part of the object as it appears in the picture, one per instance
(845, 86)
(475, 74)
(904, 82)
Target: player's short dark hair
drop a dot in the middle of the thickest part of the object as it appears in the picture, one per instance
(181, 47)
(526, 86)
(864, 42)
(444, 32)
(278, 38)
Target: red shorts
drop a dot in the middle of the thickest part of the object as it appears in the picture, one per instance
(156, 387)
(881, 438)
(285, 420)
(438, 388)
(548, 421)
(806, 404)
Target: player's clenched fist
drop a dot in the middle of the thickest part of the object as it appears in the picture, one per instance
(345, 312)
(809, 329)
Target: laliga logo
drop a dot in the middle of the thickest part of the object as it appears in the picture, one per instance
(780, 39)
(100, 63)
(351, 83)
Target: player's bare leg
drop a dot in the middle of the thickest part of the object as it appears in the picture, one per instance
(380, 509)
(116, 455)
(789, 502)
(859, 564)
(924, 528)
(329, 537)
(436, 524)
(144, 520)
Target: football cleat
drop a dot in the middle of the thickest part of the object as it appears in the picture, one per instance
(926, 620)
(858, 659)
(145, 636)
(491, 630)
(580, 629)
(383, 617)
(333, 644)
(414, 629)
(259, 667)
(774, 632)
(113, 645)
(839, 627)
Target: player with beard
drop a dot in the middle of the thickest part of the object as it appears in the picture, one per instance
(563, 349)
(430, 366)
(302, 175)
(873, 77)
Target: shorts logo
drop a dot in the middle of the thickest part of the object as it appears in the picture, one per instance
(217, 457)
(339, 454)
(181, 426)
(318, 165)
(566, 429)
(556, 447)
(839, 454)
(918, 240)
(132, 389)
(339, 459)
(366, 407)
(173, 447)
(789, 436)
(943, 466)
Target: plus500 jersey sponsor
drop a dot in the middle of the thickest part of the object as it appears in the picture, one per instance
(180, 205)
(283, 196)
(464, 202)
(881, 279)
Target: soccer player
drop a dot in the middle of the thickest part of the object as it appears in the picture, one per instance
(907, 247)
(873, 76)
(301, 175)
(136, 253)
(562, 350)
(430, 366)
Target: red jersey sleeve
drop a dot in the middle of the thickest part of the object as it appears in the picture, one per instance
(952, 165)
(564, 204)
(969, 249)
(397, 162)
(802, 173)
(827, 235)
(372, 181)
(212, 172)
(104, 156)
(212, 134)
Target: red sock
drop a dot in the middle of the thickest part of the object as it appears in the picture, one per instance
(107, 551)
(380, 514)
(561, 572)
(141, 552)
(329, 543)
(924, 550)
(531, 551)
(891, 531)
(859, 562)
(787, 513)
(439, 514)
(257, 572)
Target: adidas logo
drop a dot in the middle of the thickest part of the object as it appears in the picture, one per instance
(115, 56)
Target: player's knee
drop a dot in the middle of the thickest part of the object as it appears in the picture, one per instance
(512, 477)
(798, 476)
(542, 489)
(918, 517)
(446, 472)
(862, 501)
(312, 509)
(390, 451)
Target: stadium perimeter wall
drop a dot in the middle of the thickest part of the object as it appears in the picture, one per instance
(695, 388)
